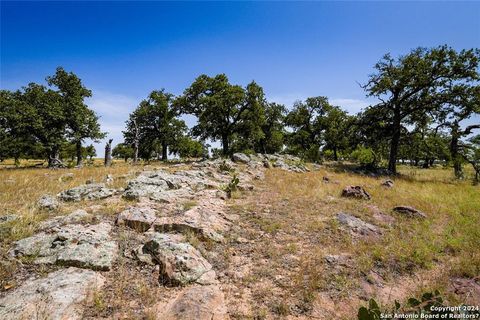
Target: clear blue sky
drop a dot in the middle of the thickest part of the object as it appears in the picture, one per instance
(124, 50)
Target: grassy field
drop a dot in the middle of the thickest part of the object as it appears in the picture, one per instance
(288, 227)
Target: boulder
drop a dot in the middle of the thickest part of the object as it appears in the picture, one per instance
(180, 263)
(75, 245)
(195, 303)
(355, 192)
(387, 183)
(92, 191)
(59, 296)
(241, 157)
(357, 225)
(152, 182)
(48, 202)
(410, 212)
(137, 218)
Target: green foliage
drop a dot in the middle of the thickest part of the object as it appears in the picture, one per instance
(418, 83)
(232, 185)
(122, 151)
(187, 147)
(156, 125)
(364, 156)
(225, 112)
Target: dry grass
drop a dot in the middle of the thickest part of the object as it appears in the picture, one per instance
(294, 227)
(286, 225)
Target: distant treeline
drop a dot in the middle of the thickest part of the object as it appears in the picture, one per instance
(424, 98)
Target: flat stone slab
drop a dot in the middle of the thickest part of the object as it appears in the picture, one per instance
(206, 220)
(77, 216)
(195, 303)
(59, 296)
(180, 263)
(48, 202)
(92, 191)
(357, 225)
(75, 245)
(137, 218)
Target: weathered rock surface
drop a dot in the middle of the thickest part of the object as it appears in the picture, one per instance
(137, 218)
(8, 218)
(355, 192)
(76, 216)
(59, 296)
(240, 157)
(206, 219)
(48, 202)
(180, 263)
(410, 212)
(357, 225)
(92, 191)
(81, 246)
(195, 303)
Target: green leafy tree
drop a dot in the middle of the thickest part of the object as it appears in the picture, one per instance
(336, 125)
(82, 122)
(225, 112)
(156, 125)
(188, 148)
(273, 129)
(407, 86)
(122, 151)
(43, 116)
(305, 122)
(471, 153)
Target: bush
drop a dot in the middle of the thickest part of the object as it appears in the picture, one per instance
(364, 156)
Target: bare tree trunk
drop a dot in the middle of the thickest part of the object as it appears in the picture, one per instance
(456, 157)
(79, 153)
(108, 153)
(225, 146)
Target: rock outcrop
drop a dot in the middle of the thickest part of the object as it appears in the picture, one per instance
(48, 202)
(75, 245)
(180, 263)
(357, 226)
(92, 191)
(195, 303)
(59, 296)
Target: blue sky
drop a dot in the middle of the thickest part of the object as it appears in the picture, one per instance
(124, 50)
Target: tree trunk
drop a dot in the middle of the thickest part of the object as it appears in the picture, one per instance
(135, 142)
(335, 156)
(79, 153)
(456, 157)
(54, 158)
(426, 163)
(108, 153)
(225, 147)
(432, 162)
(392, 159)
(164, 151)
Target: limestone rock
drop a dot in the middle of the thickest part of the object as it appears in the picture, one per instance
(355, 192)
(357, 225)
(410, 212)
(387, 183)
(195, 303)
(140, 219)
(48, 202)
(92, 191)
(8, 218)
(240, 157)
(59, 296)
(76, 216)
(81, 246)
(180, 263)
